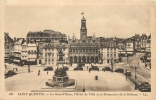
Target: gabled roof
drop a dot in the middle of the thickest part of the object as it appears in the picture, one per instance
(7, 38)
(137, 36)
(144, 36)
(109, 44)
(149, 37)
(19, 41)
(25, 43)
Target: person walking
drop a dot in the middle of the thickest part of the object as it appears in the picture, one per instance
(47, 72)
(28, 69)
(38, 72)
(126, 75)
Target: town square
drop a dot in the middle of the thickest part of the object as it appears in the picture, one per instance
(52, 61)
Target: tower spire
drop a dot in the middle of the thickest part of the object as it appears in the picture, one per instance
(83, 30)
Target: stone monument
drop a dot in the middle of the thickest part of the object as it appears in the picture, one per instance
(60, 79)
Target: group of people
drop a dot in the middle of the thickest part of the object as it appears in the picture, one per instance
(15, 69)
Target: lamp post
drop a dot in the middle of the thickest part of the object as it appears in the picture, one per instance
(83, 86)
(127, 57)
(111, 64)
(135, 79)
(126, 75)
(29, 66)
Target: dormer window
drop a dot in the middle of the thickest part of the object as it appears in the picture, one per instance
(111, 45)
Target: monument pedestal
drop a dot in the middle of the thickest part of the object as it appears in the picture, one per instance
(60, 79)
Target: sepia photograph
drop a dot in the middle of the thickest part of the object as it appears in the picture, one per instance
(71, 49)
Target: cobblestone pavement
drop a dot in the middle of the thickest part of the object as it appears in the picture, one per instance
(107, 81)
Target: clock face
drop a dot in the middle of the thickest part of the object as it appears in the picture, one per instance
(83, 32)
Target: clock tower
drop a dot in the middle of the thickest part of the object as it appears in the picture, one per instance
(83, 30)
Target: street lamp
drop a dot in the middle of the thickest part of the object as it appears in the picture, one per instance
(29, 66)
(111, 64)
(126, 71)
(126, 75)
(83, 86)
(135, 79)
(127, 57)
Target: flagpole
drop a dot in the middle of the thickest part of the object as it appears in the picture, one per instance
(82, 14)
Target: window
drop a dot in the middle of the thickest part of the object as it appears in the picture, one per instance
(107, 55)
(93, 50)
(115, 55)
(107, 61)
(80, 50)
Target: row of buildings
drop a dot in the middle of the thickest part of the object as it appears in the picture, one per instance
(51, 48)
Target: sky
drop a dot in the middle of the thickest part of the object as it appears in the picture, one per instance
(102, 20)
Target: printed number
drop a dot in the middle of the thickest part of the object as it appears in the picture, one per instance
(10, 93)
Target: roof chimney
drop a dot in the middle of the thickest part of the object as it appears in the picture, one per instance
(14, 39)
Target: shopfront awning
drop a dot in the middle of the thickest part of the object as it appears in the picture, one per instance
(16, 60)
(60, 62)
(31, 60)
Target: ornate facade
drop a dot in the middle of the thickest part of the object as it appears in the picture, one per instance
(84, 50)
(55, 53)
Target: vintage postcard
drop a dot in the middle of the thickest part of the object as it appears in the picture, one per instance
(78, 49)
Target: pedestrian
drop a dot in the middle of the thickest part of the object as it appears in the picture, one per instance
(28, 70)
(5, 66)
(38, 72)
(47, 72)
(16, 69)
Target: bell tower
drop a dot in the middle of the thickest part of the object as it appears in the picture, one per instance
(83, 30)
